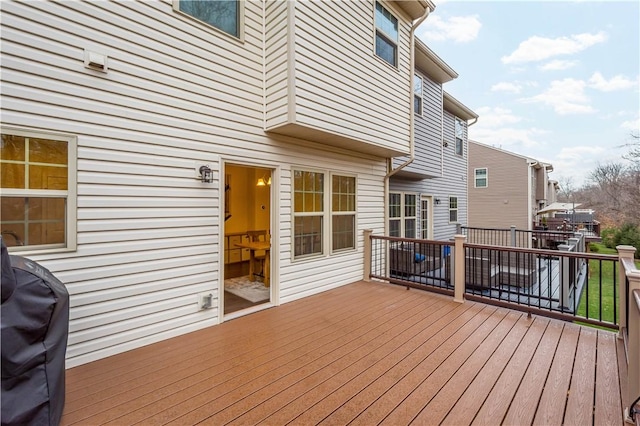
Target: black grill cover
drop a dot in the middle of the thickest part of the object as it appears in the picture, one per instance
(35, 324)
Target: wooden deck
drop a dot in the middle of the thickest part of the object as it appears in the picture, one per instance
(366, 353)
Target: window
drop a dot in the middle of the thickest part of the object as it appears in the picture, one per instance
(311, 216)
(308, 192)
(343, 212)
(395, 215)
(425, 227)
(402, 215)
(453, 209)
(386, 35)
(221, 14)
(481, 178)
(38, 202)
(417, 94)
(459, 137)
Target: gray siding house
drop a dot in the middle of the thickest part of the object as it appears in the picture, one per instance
(427, 191)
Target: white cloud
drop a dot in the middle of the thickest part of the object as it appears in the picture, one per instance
(566, 97)
(496, 117)
(495, 127)
(460, 29)
(618, 82)
(557, 65)
(633, 125)
(509, 138)
(506, 87)
(537, 48)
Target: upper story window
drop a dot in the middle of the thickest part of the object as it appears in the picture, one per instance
(386, 35)
(481, 178)
(38, 202)
(221, 14)
(453, 209)
(459, 137)
(417, 94)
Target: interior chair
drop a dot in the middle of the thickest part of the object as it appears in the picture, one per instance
(260, 256)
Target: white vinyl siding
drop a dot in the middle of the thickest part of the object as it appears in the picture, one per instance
(149, 232)
(325, 97)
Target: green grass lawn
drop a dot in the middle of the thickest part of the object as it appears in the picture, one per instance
(599, 289)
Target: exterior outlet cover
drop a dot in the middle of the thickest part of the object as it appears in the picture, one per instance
(205, 301)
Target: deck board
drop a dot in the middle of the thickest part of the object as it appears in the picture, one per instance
(365, 353)
(554, 394)
(579, 409)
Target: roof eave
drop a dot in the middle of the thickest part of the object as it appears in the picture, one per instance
(456, 107)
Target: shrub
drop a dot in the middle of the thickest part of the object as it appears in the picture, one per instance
(629, 235)
(607, 236)
(594, 248)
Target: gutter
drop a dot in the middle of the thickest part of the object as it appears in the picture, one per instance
(430, 7)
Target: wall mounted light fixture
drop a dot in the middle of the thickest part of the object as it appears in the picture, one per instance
(206, 175)
(264, 181)
(437, 200)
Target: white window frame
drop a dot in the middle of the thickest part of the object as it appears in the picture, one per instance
(209, 27)
(453, 209)
(390, 39)
(476, 177)
(418, 94)
(327, 214)
(459, 136)
(403, 216)
(70, 195)
(352, 213)
(426, 217)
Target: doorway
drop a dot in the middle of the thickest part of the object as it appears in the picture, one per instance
(426, 217)
(247, 237)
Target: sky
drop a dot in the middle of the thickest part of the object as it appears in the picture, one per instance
(558, 81)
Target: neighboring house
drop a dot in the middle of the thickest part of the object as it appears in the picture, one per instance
(141, 139)
(506, 189)
(428, 196)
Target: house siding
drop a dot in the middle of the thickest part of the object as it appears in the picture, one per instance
(336, 85)
(428, 135)
(451, 184)
(177, 94)
(506, 200)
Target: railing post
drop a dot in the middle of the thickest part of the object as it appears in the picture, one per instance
(564, 277)
(624, 252)
(458, 265)
(513, 236)
(633, 355)
(367, 255)
(458, 228)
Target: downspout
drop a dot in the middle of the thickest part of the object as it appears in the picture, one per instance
(466, 183)
(391, 171)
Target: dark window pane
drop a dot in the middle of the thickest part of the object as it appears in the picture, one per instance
(222, 14)
(385, 49)
(343, 232)
(308, 235)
